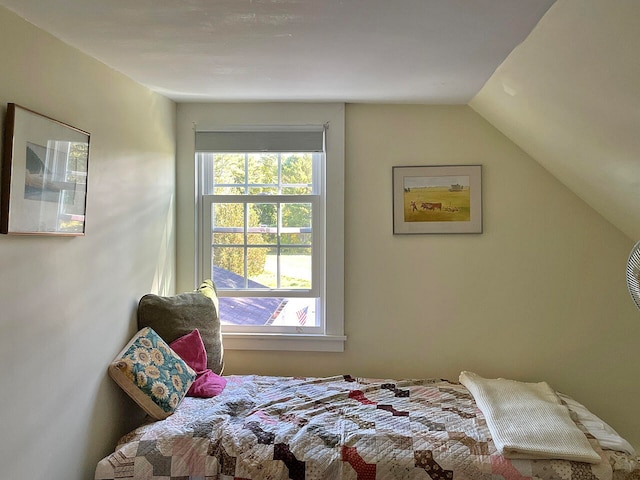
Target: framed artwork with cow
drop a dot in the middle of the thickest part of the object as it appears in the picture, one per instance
(437, 199)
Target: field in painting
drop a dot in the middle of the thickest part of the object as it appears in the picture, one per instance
(455, 205)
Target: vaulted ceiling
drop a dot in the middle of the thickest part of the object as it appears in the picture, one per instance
(569, 96)
(561, 79)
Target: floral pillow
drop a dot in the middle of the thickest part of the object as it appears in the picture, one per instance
(152, 374)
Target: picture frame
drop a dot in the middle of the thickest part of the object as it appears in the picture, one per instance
(43, 183)
(437, 199)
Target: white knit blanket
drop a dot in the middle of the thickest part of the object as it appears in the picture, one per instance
(528, 420)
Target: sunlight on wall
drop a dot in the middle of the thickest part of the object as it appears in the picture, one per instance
(163, 280)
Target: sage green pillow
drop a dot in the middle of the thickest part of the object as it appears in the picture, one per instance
(152, 374)
(176, 316)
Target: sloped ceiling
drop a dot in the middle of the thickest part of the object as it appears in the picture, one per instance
(569, 96)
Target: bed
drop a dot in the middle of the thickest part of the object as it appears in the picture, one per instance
(342, 427)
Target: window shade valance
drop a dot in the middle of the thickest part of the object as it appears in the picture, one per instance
(304, 140)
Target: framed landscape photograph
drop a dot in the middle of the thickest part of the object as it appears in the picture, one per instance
(437, 199)
(44, 175)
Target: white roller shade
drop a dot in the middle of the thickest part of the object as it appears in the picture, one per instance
(303, 140)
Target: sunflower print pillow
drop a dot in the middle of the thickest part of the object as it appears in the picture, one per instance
(152, 374)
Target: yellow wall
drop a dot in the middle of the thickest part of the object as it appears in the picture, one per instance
(67, 304)
(569, 97)
(540, 295)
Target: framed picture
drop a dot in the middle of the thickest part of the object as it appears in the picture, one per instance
(437, 199)
(44, 175)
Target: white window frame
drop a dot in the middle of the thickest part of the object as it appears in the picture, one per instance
(331, 337)
(317, 200)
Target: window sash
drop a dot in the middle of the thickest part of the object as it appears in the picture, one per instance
(317, 290)
(317, 234)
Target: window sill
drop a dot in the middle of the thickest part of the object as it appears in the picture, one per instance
(291, 342)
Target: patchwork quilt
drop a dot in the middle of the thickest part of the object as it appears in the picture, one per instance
(340, 428)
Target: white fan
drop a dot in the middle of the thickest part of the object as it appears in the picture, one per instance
(633, 274)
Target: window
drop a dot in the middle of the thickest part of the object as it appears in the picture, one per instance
(263, 235)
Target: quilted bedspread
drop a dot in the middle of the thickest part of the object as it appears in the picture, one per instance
(340, 427)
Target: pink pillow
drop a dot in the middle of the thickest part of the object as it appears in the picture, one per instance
(207, 384)
(191, 349)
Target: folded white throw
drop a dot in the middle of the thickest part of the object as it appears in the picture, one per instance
(528, 420)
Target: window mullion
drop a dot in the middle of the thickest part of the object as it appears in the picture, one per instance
(246, 221)
(246, 242)
(278, 230)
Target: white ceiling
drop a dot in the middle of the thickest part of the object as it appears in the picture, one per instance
(408, 51)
